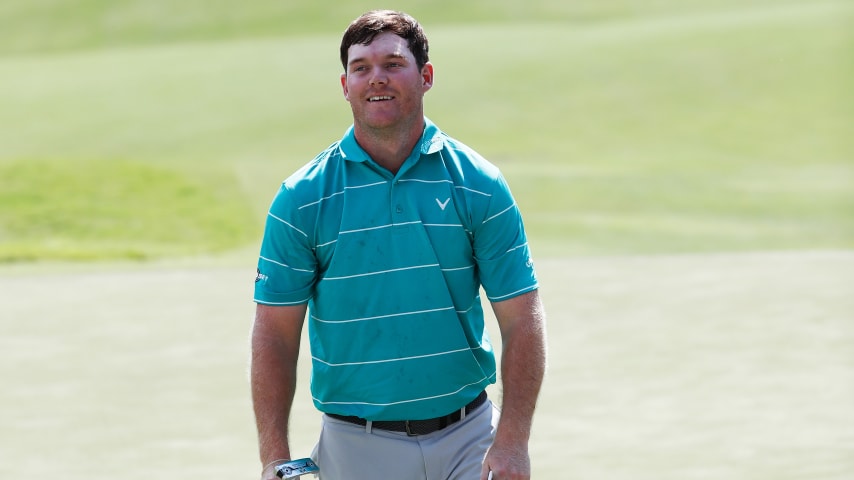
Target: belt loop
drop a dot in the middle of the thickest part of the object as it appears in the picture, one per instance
(462, 414)
(369, 425)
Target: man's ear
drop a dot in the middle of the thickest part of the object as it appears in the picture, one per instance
(344, 86)
(427, 76)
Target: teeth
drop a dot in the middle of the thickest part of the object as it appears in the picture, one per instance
(376, 99)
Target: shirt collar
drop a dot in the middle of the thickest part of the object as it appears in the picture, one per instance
(432, 140)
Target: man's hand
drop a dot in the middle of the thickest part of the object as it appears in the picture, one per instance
(269, 472)
(507, 462)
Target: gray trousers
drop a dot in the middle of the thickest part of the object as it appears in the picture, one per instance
(350, 452)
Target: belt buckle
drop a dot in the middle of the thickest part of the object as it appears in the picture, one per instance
(409, 432)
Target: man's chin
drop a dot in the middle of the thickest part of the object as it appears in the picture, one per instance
(380, 123)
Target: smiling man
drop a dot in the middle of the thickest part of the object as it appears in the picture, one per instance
(385, 85)
(385, 240)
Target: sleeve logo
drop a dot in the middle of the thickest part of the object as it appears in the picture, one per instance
(260, 276)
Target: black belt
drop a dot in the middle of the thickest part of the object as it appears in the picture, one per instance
(416, 427)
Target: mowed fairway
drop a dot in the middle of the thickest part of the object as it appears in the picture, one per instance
(674, 132)
(735, 366)
(685, 170)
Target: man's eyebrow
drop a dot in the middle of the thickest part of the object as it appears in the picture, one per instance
(356, 60)
(390, 56)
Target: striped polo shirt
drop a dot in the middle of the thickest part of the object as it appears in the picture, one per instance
(391, 268)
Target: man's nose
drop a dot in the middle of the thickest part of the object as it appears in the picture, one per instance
(378, 78)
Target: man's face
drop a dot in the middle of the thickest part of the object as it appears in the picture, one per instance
(383, 83)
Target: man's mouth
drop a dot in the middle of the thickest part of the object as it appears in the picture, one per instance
(380, 98)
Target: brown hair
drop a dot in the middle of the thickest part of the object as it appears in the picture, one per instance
(364, 29)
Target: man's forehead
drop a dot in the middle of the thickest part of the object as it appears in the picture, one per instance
(386, 44)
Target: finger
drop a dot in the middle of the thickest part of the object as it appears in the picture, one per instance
(485, 472)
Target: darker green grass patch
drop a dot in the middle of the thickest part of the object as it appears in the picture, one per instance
(117, 209)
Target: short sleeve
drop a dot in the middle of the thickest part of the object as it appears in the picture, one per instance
(501, 247)
(287, 264)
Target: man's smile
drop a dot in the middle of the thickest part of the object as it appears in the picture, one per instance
(380, 98)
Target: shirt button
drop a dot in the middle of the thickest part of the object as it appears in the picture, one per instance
(398, 209)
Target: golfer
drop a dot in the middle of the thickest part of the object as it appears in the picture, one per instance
(386, 239)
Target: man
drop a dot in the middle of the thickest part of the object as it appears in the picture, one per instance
(385, 239)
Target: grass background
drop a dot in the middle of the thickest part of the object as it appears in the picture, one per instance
(711, 133)
(662, 367)
(622, 126)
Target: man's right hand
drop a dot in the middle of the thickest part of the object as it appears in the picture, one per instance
(269, 471)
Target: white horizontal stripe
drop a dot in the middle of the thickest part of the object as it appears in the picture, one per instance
(321, 200)
(474, 191)
(402, 314)
(517, 247)
(288, 224)
(264, 302)
(347, 232)
(425, 181)
(500, 213)
(341, 192)
(466, 310)
(401, 359)
(458, 268)
(354, 187)
(443, 225)
(382, 272)
(285, 265)
(410, 400)
(531, 288)
(342, 232)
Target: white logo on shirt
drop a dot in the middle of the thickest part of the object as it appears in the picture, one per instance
(444, 204)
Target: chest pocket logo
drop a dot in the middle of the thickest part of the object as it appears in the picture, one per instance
(444, 204)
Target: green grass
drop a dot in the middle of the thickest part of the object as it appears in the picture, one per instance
(91, 210)
(61, 25)
(625, 127)
(702, 367)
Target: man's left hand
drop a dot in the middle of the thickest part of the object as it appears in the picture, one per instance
(510, 462)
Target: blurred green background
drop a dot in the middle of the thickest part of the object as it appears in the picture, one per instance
(144, 129)
(158, 132)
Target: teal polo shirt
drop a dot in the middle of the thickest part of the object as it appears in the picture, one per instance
(391, 267)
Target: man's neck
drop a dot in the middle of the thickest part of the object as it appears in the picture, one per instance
(389, 148)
